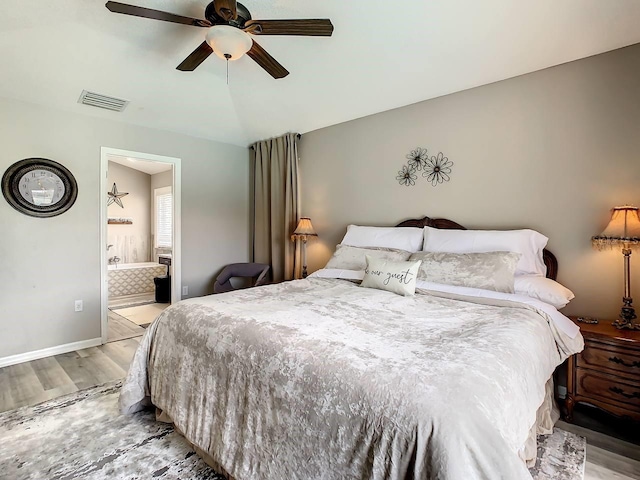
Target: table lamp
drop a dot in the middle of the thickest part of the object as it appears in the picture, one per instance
(303, 231)
(623, 231)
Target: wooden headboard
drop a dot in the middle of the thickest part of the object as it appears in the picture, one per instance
(549, 258)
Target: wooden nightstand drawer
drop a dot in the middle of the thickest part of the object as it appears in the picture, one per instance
(606, 373)
(608, 388)
(619, 360)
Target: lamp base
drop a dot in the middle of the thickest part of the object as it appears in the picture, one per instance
(627, 316)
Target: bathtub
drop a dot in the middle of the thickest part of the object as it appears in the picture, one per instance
(133, 278)
(128, 266)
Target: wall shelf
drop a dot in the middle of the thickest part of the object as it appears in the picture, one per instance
(120, 221)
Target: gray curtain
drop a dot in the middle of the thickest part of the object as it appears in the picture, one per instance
(276, 204)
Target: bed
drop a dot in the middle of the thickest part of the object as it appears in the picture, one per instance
(323, 379)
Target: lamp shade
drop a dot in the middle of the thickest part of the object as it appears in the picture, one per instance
(305, 228)
(228, 42)
(623, 229)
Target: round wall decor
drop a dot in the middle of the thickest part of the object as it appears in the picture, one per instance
(39, 187)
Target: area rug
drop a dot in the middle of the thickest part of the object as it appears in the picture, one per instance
(561, 456)
(82, 435)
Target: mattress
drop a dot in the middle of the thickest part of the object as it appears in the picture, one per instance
(322, 379)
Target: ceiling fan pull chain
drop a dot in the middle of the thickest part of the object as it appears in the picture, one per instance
(227, 56)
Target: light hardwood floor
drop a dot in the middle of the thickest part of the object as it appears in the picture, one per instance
(608, 458)
(128, 300)
(130, 310)
(142, 314)
(120, 328)
(33, 382)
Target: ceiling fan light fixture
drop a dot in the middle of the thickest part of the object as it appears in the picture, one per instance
(228, 43)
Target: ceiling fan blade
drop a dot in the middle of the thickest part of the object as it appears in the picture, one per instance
(266, 61)
(196, 57)
(117, 7)
(319, 27)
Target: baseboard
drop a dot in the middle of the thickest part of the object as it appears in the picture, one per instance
(48, 352)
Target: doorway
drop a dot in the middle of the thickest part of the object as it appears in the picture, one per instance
(139, 240)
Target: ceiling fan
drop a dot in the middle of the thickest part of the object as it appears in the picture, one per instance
(229, 24)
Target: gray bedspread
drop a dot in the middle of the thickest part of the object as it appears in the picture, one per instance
(323, 379)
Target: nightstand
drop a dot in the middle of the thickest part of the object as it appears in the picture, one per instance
(607, 372)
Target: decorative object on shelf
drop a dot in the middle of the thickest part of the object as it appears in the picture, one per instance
(120, 221)
(39, 187)
(115, 196)
(590, 320)
(406, 176)
(436, 169)
(303, 231)
(623, 231)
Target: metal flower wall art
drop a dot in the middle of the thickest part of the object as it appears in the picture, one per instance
(417, 159)
(436, 169)
(407, 176)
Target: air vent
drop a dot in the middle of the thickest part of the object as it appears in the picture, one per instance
(102, 101)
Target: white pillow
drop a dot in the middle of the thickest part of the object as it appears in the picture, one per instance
(543, 289)
(401, 238)
(528, 243)
(396, 277)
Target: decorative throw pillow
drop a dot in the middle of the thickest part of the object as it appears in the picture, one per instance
(396, 277)
(490, 271)
(347, 257)
(529, 243)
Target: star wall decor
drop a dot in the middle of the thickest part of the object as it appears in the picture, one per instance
(115, 196)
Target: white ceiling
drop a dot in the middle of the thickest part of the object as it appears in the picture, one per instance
(145, 166)
(383, 54)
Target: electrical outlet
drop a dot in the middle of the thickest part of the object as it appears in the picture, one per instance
(185, 290)
(78, 305)
(562, 391)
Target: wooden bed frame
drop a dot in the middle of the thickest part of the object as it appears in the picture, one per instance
(549, 258)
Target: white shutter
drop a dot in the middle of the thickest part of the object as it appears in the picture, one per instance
(164, 220)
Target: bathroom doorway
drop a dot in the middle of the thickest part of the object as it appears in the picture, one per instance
(140, 238)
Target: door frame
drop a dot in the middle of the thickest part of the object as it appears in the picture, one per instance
(176, 257)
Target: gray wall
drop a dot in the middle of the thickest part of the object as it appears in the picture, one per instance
(131, 243)
(46, 264)
(553, 150)
(162, 179)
